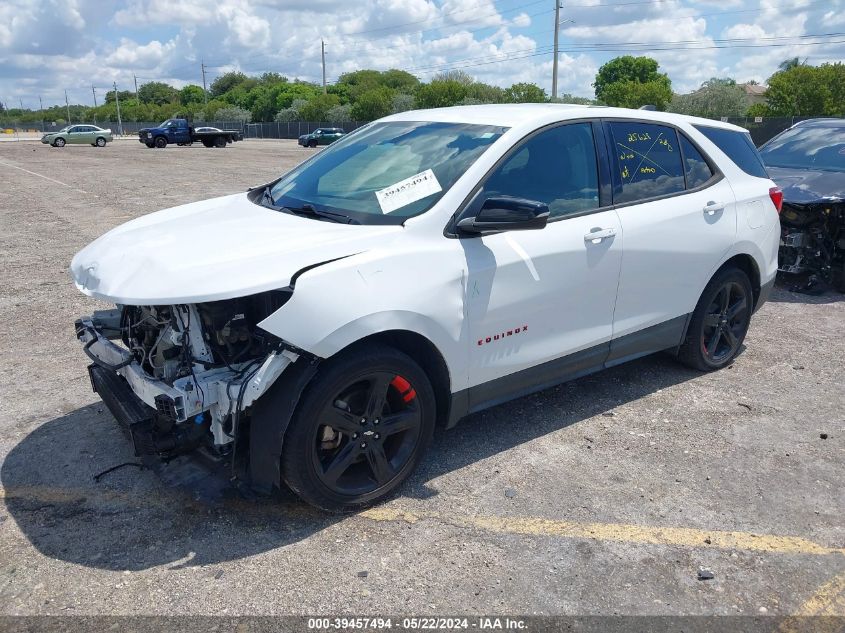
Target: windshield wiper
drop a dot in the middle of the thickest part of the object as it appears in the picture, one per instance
(309, 210)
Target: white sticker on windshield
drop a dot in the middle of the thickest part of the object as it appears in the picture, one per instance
(407, 191)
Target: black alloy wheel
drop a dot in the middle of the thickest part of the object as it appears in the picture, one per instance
(361, 428)
(725, 322)
(720, 322)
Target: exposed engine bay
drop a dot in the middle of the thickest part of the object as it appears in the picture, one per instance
(198, 366)
(813, 244)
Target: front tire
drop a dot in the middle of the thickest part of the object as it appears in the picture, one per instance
(312, 143)
(59, 142)
(160, 142)
(361, 428)
(720, 322)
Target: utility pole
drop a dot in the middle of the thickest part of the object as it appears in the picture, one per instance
(117, 102)
(204, 89)
(94, 92)
(323, 55)
(41, 111)
(21, 102)
(554, 64)
(135, 79)
(67, 105)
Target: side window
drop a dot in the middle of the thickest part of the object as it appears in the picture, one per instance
(557, 166)
(696, 168)
(647, 159)
(738, 146)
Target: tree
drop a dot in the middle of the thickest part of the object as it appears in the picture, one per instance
(339, 114)
(316, 108)
(459, 76)
(373, 104)
(807, 91)
(485, 93)
(440, 94)
(226, 82)
(291, 113)
(158, 93)
(631, 82)
(233, 113)
(715, 98)
(568, 98)
(402, 103)
(793, 62)
(191, 94)
(525, 93)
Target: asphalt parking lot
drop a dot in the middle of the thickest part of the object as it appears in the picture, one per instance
(601, 496)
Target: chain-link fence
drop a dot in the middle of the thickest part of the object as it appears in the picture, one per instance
(761, 128)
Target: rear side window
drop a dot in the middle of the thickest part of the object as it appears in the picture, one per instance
(739, 148)
(696, 168)
(647, 161)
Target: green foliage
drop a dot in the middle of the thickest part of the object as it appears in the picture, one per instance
(158, 93)
(339, 114)
(123, 95)
(226, 82)
(373, 104)
(191, 94)
(484, 93)
(525, 93)
(440, 94)
(317, 107)
(631, 82)
(715, 98)
(802, 90)
(233, 113)
(568, 98)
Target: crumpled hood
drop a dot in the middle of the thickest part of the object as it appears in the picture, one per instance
(215, 249)
(801, 186)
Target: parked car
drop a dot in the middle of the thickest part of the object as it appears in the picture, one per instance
(808, 162)
(321, 136)
(78, 135)
(429, 265)
(179, 131)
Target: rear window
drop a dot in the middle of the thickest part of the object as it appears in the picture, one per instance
(648, 163)
(739, 148)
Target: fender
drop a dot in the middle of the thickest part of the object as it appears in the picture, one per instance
(336, 304)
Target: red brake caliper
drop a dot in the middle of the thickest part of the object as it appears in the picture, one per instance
(404, 388)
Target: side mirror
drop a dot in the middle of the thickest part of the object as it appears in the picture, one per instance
(507, 214)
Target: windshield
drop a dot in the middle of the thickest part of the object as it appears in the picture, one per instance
(807, 148)
(387, 172)
(65, 128)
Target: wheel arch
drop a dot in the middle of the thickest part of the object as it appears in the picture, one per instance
(747, 264)
(425, 353)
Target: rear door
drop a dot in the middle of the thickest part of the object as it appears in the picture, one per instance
(678, 215)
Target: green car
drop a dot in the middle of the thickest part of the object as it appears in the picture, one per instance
(321, 136)
(78, 135)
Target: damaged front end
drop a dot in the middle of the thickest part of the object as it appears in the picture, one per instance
(184, 377)
(813, 243)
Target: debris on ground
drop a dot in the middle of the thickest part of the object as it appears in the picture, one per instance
(824, 436)
(705, 573)
(363, 574)
(743, 404)
(510, 493)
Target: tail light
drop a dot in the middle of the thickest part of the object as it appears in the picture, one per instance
(776, 195)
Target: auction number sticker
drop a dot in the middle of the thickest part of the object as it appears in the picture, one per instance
(407, 191)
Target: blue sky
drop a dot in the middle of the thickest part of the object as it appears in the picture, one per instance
(47, 46)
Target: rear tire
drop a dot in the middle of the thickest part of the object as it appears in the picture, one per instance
(160, 142)
(207, 143)
(361, 427)
(219, 141)
(100, 142)
(720, 322)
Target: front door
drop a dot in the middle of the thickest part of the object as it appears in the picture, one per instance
(540, 303)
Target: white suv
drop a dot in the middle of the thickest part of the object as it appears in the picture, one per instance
(312, 331)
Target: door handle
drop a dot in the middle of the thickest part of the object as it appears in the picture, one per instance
(597, 235)
(711, 208)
